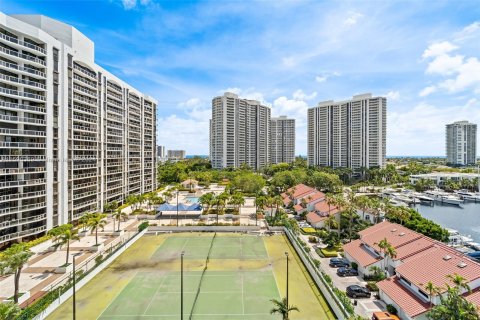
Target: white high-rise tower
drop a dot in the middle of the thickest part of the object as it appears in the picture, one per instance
(461, 143)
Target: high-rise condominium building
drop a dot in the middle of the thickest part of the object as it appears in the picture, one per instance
(239, 132)
(176, 154)
(161, 152)
(72, 135)
(349, 134)
(461, 143)
(282, 140)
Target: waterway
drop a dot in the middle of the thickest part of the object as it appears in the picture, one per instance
(465, 219)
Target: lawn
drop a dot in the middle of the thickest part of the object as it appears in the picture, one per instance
(243, 274)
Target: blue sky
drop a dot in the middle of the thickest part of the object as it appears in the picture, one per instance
(423, 55)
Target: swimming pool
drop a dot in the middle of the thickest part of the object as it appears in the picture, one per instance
(192, 199)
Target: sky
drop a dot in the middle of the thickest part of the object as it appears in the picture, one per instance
(424, 56)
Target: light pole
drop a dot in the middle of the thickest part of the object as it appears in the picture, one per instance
(286, 254)
(181, 285)
(74, 281)
(177, 208)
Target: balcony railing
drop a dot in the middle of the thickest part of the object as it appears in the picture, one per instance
(22, 94)
(12, 210)
(23, 132)
(22, 56)
(24, 195)
(18, 183)
(23, 145)
(10, 105)
(23, 69)
(92, 84)
(23, 81)
(22, 43)
(21, 119)
(21, 234)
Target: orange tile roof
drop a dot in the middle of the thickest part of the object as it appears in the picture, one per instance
(357, 251)
(436, 263)
(323, 207)
(313, 217)
(395, 234)
(314, 196)
(403, 297)
(298, 208)
(474, 297)
(410, 249)
(300, 190)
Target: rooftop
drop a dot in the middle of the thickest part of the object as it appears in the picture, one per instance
(363, 256)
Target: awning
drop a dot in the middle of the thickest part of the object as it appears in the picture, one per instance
(181, 207)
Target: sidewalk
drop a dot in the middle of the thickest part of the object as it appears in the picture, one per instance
(38, 276)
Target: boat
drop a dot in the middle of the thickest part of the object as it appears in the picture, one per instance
(444, 197)
(467, 195)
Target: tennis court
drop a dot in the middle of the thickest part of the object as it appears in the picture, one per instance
(226, 276)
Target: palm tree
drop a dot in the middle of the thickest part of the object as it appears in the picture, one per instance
(390, 252)
(206, 200)
(9, 311)
(84, 220)
(221, 201)
(132, 200)
(282, 308)
(277, 201)
(260, 202)
(330, 222)
(432, 290)
(110, 207)
(363, 203)
(66, 237)
(383, 245)
(118, 215)
(97, 221)
(459, 281)
(13, 259)
(237, 200)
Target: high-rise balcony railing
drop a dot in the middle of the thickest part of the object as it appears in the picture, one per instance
(22, 170)
(12, 53)
(87, 100)
(16, 80)
(16, 106)
(22, 145)
(18, 132)
(84, 81)
(26, 70)
(13, 210)
(23, 158)
(85, 71)
(16, 93)
(91, 93)
(18, 222)
(24, 233)
(28, 45)
(24, 195)
(85, 108)
(84, 194)
(20, 183)
(16, 119)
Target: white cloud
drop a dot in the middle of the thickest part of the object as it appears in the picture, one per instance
(427, 91)
(321, 78)
(445, 64)
(468, 76)
(470, 31)
(326, 75)
(300, 95)
(191, 103)
(131, 4)
(422, 128)
(439, 48)
(352, 18)
(249, 93)
(393, 95)
(189, 134)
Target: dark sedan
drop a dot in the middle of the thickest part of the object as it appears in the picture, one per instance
(355, 291)
(338, 262)
(347, 272)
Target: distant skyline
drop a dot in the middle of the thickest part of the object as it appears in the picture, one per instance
(422, 55)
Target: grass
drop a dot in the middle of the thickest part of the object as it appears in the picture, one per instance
(244, 273)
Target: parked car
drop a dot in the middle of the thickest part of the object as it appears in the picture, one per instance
(384, 316)
(338, 262)
(346, 272)
(355, 291)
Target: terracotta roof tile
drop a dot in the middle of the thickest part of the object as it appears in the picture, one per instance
(323, 206)
(403, 297)
(313, 217)
(436, 263)
(357, 251)
(396, 235)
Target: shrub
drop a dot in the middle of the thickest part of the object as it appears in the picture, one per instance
(316, 263)
(391, 309)
(37, 241)
(372, 286)
(312, 239)
(98, 259)
(354, 265)
(329, 253)
(308, 230)
(143, 226)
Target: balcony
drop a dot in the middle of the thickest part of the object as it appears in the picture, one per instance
(13, 210)
(92, 102)
(18, 222)
(18, 132)
(84, 195)
(23, 158)
(15, 119)
(25, 195)
(18, 81)
(92, 75)
(22, 145)
(16, 107)
(89, 92)
(11, 53)
(20, 183)
(22, 170)
(25, 45)
(24, 233)
(24, 70)
(84, 81)
(15, 94)
(85, 108)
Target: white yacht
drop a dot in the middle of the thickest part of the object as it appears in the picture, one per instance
(467, 195)
(444, 197)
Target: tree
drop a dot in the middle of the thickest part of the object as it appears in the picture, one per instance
(13, 259)
(459, 281)
(97, 221)
(260, 203)
(118, 215)
(66, 237)
(432, 291)
(383, 245)
(237, 200)
(84, 220)
(277, 201)
(221, 201)
(363, 203)
(331, 222)
(9, 311)
(248, 182)
(282, 308)
(110, 207)
(132, 200)
(453, 306)
(207, 200)
(323, 181)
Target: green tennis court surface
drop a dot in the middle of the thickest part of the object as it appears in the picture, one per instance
(227, 247)
(222, 295)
